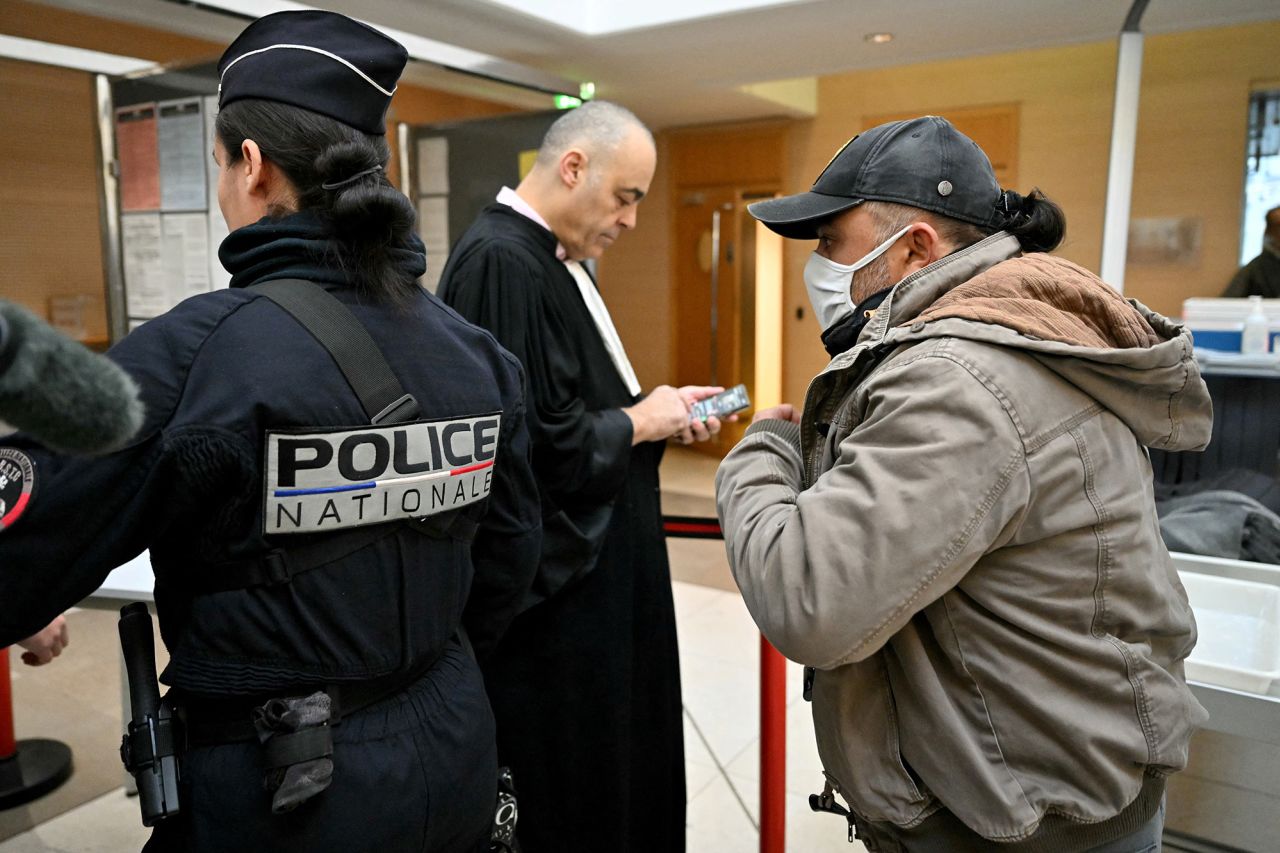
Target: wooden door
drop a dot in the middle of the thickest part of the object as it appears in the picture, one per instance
(706, 276)
(716, 171)
(715, 299)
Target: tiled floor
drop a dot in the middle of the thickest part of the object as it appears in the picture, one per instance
(719, 657)
(108, 824)
(719, 660)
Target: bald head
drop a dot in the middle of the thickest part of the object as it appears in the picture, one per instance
(1273, 224)
(597, 127)
(594, 167)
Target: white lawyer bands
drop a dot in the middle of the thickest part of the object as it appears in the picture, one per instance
(351, 477)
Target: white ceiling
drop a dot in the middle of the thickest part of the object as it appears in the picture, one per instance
(690, 71)
(93, 61)
(603, 17)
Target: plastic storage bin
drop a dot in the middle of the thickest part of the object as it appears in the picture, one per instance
(1217, 324)
(1239, 627)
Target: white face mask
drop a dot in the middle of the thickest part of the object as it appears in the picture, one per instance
(830, 284)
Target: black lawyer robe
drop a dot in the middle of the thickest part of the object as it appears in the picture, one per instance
(586, 683)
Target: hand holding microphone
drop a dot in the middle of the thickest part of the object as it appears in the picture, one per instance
(59, 392)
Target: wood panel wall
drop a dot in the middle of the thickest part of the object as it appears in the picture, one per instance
(728, 155)
(50, 242)
(50, 227)
(1190, 155)
(62, 26)
(634, 281)
(637, 275)
(993, 128)
(1190, 163)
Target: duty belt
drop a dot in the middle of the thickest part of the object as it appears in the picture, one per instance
(211, 721)
(293, 726)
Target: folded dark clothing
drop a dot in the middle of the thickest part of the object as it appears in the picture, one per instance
(295, 783)
(1220, 524)
(1262, 488)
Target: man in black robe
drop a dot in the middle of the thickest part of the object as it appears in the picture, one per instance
(586, 683)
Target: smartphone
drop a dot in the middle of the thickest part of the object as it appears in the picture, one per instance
(721, 405)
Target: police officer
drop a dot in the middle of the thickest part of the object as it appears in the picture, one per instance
(319, 538)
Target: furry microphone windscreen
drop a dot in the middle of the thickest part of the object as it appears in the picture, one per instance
(60, 393)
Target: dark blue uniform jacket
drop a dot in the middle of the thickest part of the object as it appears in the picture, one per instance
(217, 372)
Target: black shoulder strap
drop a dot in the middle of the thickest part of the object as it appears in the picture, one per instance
(349, 343)
(384, 400)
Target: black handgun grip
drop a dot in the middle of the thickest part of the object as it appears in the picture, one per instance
(138, 646)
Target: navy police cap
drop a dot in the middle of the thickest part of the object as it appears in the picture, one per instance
(319, 61)
(922, 162)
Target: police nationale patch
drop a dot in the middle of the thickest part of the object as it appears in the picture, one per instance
(17, 481)
(333, 479)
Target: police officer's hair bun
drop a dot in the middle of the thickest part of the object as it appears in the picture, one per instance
(338, 173)
(370, 217)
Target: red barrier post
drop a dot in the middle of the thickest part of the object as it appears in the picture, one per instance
(773, 749)
(8, 745)
(30, 768)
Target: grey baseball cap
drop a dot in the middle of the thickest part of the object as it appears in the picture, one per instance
(922, 162)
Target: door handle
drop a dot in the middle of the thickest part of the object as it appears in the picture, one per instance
(715, 295)
(715, 292)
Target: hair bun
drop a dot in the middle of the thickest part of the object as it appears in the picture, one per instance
(1012, 204)
(338, 174)
(1037, 222)
(333, 185)
(341, 161)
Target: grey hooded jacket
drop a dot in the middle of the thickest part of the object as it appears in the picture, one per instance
(961, 538)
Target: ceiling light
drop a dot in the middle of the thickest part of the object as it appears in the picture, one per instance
(879, 38)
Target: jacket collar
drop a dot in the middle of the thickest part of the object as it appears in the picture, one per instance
(906, 300)
(918, 291)
(1124, 380)
(302, 245)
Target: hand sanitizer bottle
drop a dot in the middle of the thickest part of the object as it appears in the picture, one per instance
(1256, 338)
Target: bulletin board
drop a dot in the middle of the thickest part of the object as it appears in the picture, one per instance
(456, 169)
(168, 223)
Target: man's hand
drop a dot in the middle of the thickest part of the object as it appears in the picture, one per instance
(785, 412)
(47, 644)
(661, 414)
(696, 430)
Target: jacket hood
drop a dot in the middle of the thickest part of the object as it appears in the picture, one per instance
(1136, 363)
